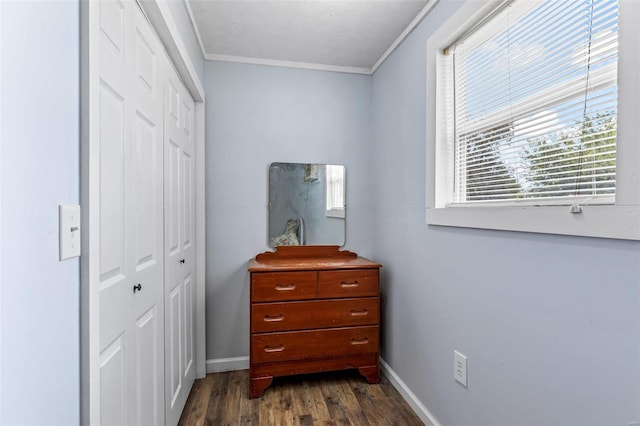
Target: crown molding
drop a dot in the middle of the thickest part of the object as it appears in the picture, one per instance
(313, 66)
(412, 25)
(288, 64)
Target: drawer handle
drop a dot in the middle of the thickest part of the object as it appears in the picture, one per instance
(273, 318)
(278, 348)
(363, 341)
(346, 284)
(285, 287)
(361, 313)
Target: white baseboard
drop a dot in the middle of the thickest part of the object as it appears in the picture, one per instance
(220, 365)
(408, 395)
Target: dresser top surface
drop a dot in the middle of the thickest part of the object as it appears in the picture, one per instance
(309, 258)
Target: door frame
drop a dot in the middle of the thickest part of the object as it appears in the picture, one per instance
(162, 21)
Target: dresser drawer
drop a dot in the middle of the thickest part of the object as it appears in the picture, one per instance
(297, 345)
(349, 283)
(313, 314)
(273, 286)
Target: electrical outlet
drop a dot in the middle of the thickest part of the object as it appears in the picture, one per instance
(460, 368)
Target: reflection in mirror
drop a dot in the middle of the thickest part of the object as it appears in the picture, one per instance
(306, 204)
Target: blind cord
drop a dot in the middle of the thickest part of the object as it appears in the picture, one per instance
(575, 208)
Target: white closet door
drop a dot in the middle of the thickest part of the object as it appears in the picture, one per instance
(179, 246)
(131, 222)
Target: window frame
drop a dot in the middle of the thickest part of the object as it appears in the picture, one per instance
(332, 208)
(620, 220)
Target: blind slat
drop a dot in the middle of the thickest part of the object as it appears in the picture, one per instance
(534, 111)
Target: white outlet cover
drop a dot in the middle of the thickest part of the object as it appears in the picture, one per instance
(460, 368)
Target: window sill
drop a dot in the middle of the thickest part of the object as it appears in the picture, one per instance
(610, 221)
(338, 213)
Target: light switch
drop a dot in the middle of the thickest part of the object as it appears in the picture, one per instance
(69, 217)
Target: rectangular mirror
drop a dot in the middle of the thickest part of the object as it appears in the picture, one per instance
(307, 204)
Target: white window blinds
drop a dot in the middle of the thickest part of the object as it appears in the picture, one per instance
(535, 105)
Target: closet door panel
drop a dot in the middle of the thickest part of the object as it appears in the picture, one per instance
(179, 244)
(187, 200)
(113, 383)
(131, 257)
(145, 152)
(148, 393)
(112, 128)
(145, 190)
(173, 102)
(146, 63)
(172, 199)
(115, 273)
(188, 331)
(114, 286)
(188, 237)
(174, 329)
(112, 26)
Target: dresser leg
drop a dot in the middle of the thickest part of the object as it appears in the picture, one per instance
(371, 373)
(257, 385)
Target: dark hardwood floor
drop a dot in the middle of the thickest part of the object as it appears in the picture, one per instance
(336, 398)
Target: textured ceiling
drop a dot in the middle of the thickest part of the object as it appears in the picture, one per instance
(347, 35)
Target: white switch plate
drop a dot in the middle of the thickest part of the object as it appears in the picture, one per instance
(460, 368)
(69, 217)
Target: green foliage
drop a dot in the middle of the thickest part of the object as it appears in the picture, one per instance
(581, 162)
(485, 167)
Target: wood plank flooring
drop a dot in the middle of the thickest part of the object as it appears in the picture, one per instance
(336, 398)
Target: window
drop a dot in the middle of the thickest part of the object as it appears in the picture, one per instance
(532, 114)
(335, 191)
(535, 105)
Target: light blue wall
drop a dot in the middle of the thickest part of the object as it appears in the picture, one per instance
(555, 344)
(181, 18)
(257, 115)
(40, 169)
(550, 324)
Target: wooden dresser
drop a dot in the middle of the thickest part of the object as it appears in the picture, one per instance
(313, 309)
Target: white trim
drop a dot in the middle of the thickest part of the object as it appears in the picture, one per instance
(90, 214)
(411, 398)
(412, 25)
(335, 212)
(195, 27)
(628, 154)
(201, 244)
(220, 365)
(620, 221)
(312, 66)
(1, 352)
(287, 64)
(162, 22)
